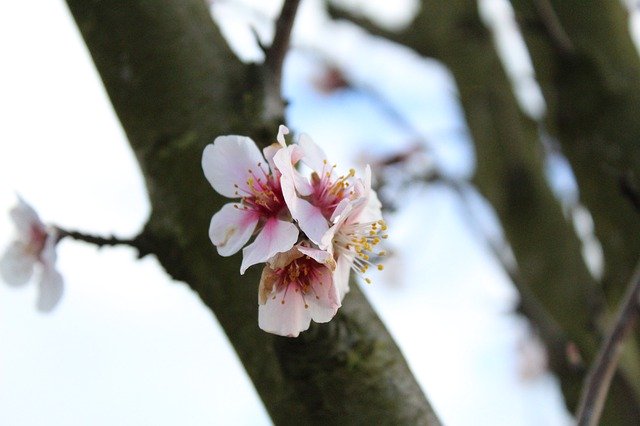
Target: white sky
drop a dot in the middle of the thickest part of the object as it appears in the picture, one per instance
(127, 346)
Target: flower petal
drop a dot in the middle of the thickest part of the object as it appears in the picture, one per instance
(323, 257)
(16, 266)
(285, 161)
(269, 152)
(277, 236)
(25, 218)
(284, 319)
(324, 301)
(227, 162)
(341, 275)
(51, 289)
(314, 156)
(231, 228)
(310, 219)
(282, 130)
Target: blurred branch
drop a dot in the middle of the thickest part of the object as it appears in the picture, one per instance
(596, 387)
(274, 106)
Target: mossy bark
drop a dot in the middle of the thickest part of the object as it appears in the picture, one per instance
(175, 85)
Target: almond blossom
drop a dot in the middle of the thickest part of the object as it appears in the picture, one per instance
(235, 168)
(296, 287)
(33, 248)
(312, 229)
(313, 201)
(356, 230)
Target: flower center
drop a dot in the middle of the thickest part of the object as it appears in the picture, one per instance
(357, 241)
(299, 277)
(327, 193)
(37, 238)
(263, 194)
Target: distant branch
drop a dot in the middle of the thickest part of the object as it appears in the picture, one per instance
(594, 392)
(275, 55)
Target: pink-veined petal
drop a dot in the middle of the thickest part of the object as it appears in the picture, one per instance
(227, 162)
(314, 156)
(231, 228)
(16, 266)
(284, 319)
(51, 288)
(324, 300)
(277, 236)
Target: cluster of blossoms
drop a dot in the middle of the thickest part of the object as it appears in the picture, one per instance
(310, 229)
(33, 248)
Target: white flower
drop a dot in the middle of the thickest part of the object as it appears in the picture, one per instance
(356, 231)
(296, 287)
(236, 169)
(34, 247)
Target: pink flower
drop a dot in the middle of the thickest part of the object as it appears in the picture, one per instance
(313, 201)
(356, 231)
(296, 287)
(236, 169)
(34, 245)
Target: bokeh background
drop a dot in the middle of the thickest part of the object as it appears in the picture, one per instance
(129, 346)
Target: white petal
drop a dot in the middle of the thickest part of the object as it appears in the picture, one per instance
(282, 130)
(321, 256)
(284, 319)
(372, 210)
(269, 152)
(51, 289)
(16, 266)
(341, 276)
(310, 219)
(227, 162)
(324, 300)
(285, 161)
(314, 156)
(231, 228)
(277, 236)
(25, 217)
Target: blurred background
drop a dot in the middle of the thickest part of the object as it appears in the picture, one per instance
(129, 346)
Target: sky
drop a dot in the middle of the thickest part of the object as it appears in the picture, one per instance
(129, 346)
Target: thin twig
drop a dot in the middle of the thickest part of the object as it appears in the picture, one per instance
(274, 106)
(596, 387)
(137, 242)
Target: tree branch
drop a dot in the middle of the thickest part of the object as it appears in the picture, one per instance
(596, 387)
(274, 105)
(138, 242)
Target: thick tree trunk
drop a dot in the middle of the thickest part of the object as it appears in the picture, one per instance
(175, 85)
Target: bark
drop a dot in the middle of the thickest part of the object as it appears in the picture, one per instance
(175, 85)
(558, 293)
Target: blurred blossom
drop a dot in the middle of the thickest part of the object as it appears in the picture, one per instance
(33, 248)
